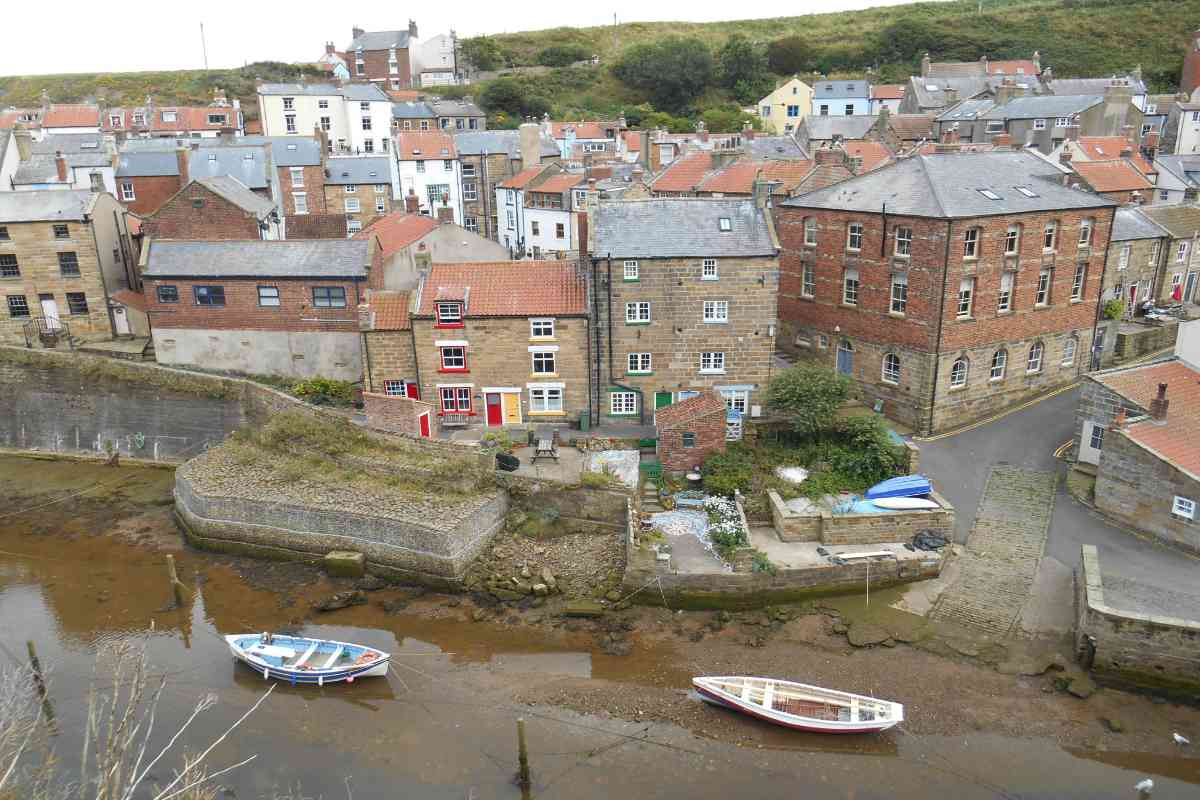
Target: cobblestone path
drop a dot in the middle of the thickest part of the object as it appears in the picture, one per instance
(1001, 557)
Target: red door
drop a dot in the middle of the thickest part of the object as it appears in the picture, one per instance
(495, 414)
(423, 421)
(412, 390)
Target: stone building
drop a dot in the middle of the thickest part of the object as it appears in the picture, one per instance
(269, 308)
(1181, 266)
(1131, 272)
(502, 343)
(362, 188)
(1137, 425)
(490, 157)
(212, 209)
(388, 358)
(691, 430)
(948, 286)
(685, 291)
(62, 252)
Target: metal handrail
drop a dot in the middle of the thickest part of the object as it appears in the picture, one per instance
(47, 332)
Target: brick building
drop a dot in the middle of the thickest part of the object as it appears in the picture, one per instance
(1133, 269)
(502, 343)
(691, 430)
(388, 358)
(685, 291)
(62, 252)
(150, 171)
(488, 158)
(382, 57)
(299, 164)
(948, 286)
(272, 308)
(213, 209)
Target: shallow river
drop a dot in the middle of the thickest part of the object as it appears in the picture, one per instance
(443, 724)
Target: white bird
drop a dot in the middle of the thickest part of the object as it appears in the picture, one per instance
(1144, 785)
(1182, 741)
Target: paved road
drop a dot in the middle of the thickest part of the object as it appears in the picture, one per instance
(959, 466)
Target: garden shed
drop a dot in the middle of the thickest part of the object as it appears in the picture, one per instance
(690, 431)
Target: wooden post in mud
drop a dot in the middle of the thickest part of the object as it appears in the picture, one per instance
(178, 590)
(522, 756)
(39, 680)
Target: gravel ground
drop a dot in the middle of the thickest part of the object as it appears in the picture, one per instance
(583, 565)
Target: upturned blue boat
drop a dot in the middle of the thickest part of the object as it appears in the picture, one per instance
(299, 659)
(904, 486)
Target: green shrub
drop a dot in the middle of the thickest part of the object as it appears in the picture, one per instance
(867, 454)
(810, 395)
(562, 55)
(1113, 309)
(325, 391)
(762, 563)
(725, 473)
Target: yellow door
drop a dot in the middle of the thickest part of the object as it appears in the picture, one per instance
(512, 409)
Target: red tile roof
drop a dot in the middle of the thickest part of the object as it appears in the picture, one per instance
(738, 177)
(872, 154)
(130, 299)
(633, 141)
(1107, 148)
(1175, 438)
(71, 116)
(1017, 67)
(583, 130)
(187, 118)
(508, 288)
(425, 145)
(1112, 176)
(397, 230)
(521, 179)
(684, 173)
(406, 95)
(687, 410)
(389, 311)
(9, 118)
(253, 127)
(887, 91)
(135, 224)
(558, 183)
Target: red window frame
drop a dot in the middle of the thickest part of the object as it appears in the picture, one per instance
(442, 359)
(440, 323)
(455, 400)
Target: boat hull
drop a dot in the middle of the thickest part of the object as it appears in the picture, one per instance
(716, 697)
(312, 677)
(905, 486)
(906, 503)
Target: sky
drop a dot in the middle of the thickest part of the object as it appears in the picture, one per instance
(79, 36)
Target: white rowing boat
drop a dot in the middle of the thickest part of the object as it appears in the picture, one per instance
(800, 706)
(300, 659)
(906, 503)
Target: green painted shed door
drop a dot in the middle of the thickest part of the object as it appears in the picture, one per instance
(662, 399)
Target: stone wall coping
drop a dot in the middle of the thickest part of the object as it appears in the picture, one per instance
(787, 513)
(1094, 594)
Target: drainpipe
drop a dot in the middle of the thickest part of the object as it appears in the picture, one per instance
(596, 322)
(611, 377)
(937, 346)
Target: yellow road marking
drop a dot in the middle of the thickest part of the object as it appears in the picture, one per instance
(1062, 448)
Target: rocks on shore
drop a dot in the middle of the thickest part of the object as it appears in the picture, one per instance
(342, 600)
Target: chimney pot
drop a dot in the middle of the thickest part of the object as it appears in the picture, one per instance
(1158, 406)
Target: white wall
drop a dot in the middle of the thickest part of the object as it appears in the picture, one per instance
(545, 239)
(9, 159)
(510, 200)
(1187, 344)
(1187, 139)
(837, 106)
(435, 174)
(328, 354)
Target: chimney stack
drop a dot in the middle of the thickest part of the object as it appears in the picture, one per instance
(1002, 141)
(830, 155)
(60, 161)
(925, 65)
(1006, 91)
(412, 203)
(950, 94)
(181, 159)
(330, 49)
(529, 136)
(950, 135)
(748, 132)
(1150, 145)
(24, 141)
(1158, 406)
(356, 32)
(322, 142)
(1065, 156)
(412, 29)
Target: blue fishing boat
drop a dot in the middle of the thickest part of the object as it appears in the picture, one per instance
(904, 486)
(299, 659)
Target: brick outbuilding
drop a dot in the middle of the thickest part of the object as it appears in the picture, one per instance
(691, 430)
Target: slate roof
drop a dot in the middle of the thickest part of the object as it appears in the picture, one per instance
(71, 115)
(351, 91)
(1065, 86)
(967, 110)
(948, 186)
(1044, 106)
(850, 127)
(412, 109)
(82, 150)
(474, 143)
(389, 310)
(507, 288)
(1185, 167)
(313, 258)
(424, 145)
(288, 151)
(236, 192)
(453, 107)
(358, 170)
(685, 411)
(247, 164)
(147, 163)
(397, 230)
(680, 227)
(46, 205)
(773, 147)
(1130, 223)
(1181, 221)
(841, 90)
(1173, 439)
(1117, 175)
(931, 92)
(378, 40)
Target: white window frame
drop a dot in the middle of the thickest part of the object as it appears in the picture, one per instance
(1039, 124)
(448, 313)
(850, 287)
(622, 404)
(639, 363)
(1183, 507)
(460, 355)
(971, 243)
(899, 295)
(289, 123)
(545, 399)
(1005, 294)
(127, 192)
(1070, 347)
(708, 270)
(1044, 282)
(854, 237)
(890, 376)
(1079, 280)
(299, 203)
(808, 280)
(958, 377)
(903, 246)
(394, 389)
(1037, 354)
(546, 359)
(1012, 240)
(470, 190)
(1085, 233)
(966, 298)
(1050, 237)
(725, 224)
(1181, 253)
(353, 206)
(716, 311)
(297, 174)
(637, 312)
(353, 226)
(999, 365)
(715, 361)
(810, 231)
(380, 204)
(541, 328)
(1123, 257)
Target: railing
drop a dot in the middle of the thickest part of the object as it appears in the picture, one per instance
(454, 420)
(48, 332)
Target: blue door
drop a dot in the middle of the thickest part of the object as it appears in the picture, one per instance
(845, 358)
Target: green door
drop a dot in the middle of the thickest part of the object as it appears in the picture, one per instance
(662, 399)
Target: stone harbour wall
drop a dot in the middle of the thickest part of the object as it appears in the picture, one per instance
(401, 549)
(1130, 649)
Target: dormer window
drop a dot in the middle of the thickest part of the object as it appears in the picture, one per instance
(115, 120)
(216, 119)
(449, 315)
(725, 224)
(169, 116)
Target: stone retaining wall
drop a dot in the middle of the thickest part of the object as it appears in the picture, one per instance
(1130, 649)
(1146, 339)
(841, 529)
(396, 548)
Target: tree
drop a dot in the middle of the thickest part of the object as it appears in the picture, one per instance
(731, 120)
(790, 55)
(482, 52)
(562, 55)
(673, 71)
(742, 68)
(810, 395)
(512, 98)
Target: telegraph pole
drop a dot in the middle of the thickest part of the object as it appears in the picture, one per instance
(204, 47)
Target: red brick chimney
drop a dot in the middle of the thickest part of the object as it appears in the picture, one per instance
(748, 132)
(830, 155)
(60, 161)
(1158, 406)
(181, 158)
(412, 203)
(950, 136)
(1002, 141)
(1065, 157)
(1150, 145)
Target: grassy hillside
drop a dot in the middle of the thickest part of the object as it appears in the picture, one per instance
(1076, 37)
